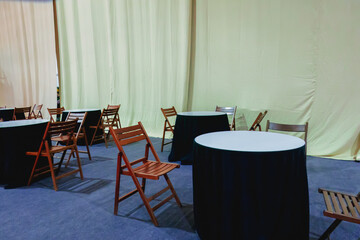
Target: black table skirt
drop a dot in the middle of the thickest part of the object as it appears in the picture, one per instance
(92, 119)
(7, 114)
(187, 128)
(15, 166)
(242, 195)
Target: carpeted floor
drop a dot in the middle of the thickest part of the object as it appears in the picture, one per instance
(84, 209)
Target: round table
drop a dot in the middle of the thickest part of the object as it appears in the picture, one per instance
(92, 119)
(6, 114)
(16, 138)
(189, 125)
(250, 185)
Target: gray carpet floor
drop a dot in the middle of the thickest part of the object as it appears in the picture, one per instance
(84, 209)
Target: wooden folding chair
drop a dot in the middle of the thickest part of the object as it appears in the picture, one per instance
(36, 112)
(80, 134)
(141, 168)
(288, 127)
(230, 111)
(257, 121)
(107, 119)
(168, 127)
(117, 120)
(55, 113)
(46, 150)
(348, 209)
(22, 113)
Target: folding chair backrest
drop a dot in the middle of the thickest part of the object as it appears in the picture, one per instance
(63, 128)
(132, 134)
(288, 127)
(36, 111)
(54, 112)
(257, 121)
(230, 111)
(113, 106)
(81, 117)
(169, 112)
(23, 110)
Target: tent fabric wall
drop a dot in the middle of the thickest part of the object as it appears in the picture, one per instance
(134, 53)
(27, 54)
(297, 59)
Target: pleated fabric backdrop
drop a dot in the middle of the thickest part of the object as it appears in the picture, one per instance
(27, 54)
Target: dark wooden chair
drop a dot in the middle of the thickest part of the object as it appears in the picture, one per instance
(256, 123)
(55, 113)
(141, 168)
(288, 128)
(22, 113)
(230, 111)
(80, 134)
(107, 119)
(48, 151)
(117, 120)
(342, 207)
(168, 127)
(36, 111)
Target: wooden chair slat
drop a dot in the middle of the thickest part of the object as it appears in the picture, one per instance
(350, 205)
(356, 204)
(129, 134)
(335, 203)
(343, 204)
(328, 202)
(132, 140)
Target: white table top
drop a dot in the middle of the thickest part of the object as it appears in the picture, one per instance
(21, 123)
(249, 141)
(201, 113)
(83, 110)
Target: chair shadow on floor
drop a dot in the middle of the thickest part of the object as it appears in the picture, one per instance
(76, 185)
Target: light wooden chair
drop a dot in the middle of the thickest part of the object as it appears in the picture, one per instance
(54, 112)
(348, 209)
(230, 111)
(168, 127)
(23, 111)
(288, 128)
(117, 120)
(48, 151)
(36, 111)
(107, 119)
(141, 168)
(257, 121)
(80, 134)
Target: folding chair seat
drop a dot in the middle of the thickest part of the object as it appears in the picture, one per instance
(107, 119)
(22, 113)
(36, 111)
(48, 151)
(54, 113)
(230, 111)
(168, 127)
(141, 168)
(342, 207)
(117, 122)
(256, 123)
(80, 133)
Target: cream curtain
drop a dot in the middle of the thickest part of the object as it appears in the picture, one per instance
(27, 54)
(299, 59)
(129, 52)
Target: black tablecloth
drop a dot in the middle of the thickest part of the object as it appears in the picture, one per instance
(7, 114)
(92, 119)
(187, 128)
(250, 195)
(15, 141)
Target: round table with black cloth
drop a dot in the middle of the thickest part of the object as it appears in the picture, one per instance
(16, 138)
(188, 126)
(250, 185)
(7, 114)
(92, 119)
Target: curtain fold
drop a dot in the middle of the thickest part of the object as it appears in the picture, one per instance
(27, 54)
(134, 53)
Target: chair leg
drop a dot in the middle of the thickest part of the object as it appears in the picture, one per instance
(147, 204)
(33, 170)
(163, 139)
(93, 137)
(68, 161)
(87, 145)
(117, 187)
(79, 163)
(52, 172)
(328, 231)
(172, 190)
